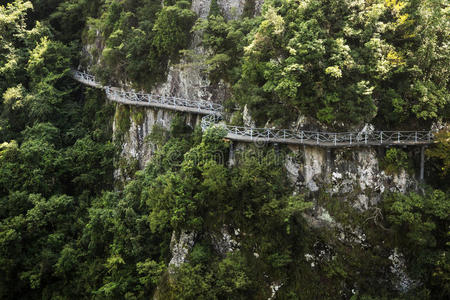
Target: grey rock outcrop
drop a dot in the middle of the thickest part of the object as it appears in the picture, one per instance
(180, 248)
(355, 173)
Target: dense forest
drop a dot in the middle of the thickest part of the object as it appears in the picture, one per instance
(70, 230)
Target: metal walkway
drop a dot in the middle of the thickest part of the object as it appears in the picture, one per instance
(213, 112)
(141, 99)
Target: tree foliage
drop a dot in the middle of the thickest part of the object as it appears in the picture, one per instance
(441, 152)
(54, 158)
(420, 223)
(140, 38)
(67, 232)
(340, 62)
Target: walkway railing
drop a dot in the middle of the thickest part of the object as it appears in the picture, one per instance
(86, 79)
(249, 134)
(326, 139)
(142, 99)
(179, 104)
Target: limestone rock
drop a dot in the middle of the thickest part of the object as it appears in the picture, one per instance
(258, 7)
(398, 269)
(223, 242)
(135, 144)
(180, 248)
(247, 118)
(231, 9)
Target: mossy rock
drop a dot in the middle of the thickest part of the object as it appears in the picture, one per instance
(138, 115)
(122, 119)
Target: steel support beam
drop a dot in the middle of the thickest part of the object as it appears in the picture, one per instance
(422, 163)
(231, 155)
(329, 162)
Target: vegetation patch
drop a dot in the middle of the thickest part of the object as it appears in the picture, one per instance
(141, 38)
(396, 161)
(138, 115)
(122, 119)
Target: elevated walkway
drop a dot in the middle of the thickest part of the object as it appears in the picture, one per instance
(213, 112)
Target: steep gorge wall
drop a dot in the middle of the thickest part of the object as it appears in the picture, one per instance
(354, 175)
(354, 172)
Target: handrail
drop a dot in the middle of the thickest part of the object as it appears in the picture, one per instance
(139, 98)
(213, 112)
(327, 139)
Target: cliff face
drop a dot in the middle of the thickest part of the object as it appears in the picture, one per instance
(186, 79)
(136, 148)
(347, 171)
(354, 175)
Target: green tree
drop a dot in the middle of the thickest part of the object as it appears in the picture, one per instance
(343, 62)
(420, 225)
(140, 39)
(440, 151)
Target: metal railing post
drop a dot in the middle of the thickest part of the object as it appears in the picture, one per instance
(335, 139)
(415, 137)
(381, 137)
(317, 138)
(365, 137)
(351, 134)
(398, 136)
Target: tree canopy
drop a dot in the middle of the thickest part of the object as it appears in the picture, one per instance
(70, 230)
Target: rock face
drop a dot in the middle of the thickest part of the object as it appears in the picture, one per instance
(231, 9)
(398, 268)
(180, 248)
(258, 6)
(223, 242)
(187, 79)
(91, 52)
(201, 8)
(248, 121)
(314, 166)
(135, 145)
(353, 173)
